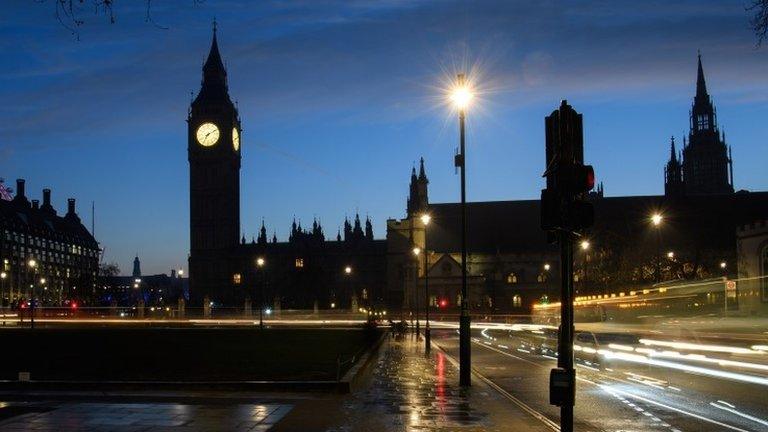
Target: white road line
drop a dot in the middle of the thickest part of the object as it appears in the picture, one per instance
(525, 407)
(632, 395)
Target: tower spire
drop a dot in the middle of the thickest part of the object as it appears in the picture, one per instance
(673, 153)
(701, 84)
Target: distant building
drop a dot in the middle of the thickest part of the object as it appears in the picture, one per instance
(156, 290)
(54, 256)
(136, 267)
(510, 263)
(705, 165)
(307, 270)
(752, 248)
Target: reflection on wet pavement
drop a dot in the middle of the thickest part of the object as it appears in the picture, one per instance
(412, 392)
(150, 417)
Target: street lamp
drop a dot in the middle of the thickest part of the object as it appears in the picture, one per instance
(3, 275)
(416, 252)
(180, 272)
(260, 264)
(656, 219)
(670, 255)
(461, 97)
(425, 219)
(33, 265)
(353, 296)
(584, 247)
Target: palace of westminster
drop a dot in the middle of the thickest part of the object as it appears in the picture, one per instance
(510, 263)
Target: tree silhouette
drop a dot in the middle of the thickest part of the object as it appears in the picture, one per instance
(759, 20)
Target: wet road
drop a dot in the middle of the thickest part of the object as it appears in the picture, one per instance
(658, 388)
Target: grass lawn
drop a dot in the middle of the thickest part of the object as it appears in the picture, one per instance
(179, 354)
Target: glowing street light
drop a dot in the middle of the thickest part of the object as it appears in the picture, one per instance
(547, 267)
(416, 251)
(425, 219)
(348, 270)
(670, 255)
(461, 95)
(181, 272)
(584, 244)
(656, 219)
(723, 264)
(260, 262)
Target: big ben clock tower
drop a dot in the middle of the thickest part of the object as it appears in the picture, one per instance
(213, 147)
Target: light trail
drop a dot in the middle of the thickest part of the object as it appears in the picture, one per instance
(700, 347)
(730, 408)
(627, 394)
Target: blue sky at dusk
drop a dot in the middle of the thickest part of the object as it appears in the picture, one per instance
(339, 98)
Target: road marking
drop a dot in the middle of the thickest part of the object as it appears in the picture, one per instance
(739, 413)
(630, 395)
(525, 407)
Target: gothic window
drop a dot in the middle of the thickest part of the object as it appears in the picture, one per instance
(702, 122)
(299, 262)
(517, 301)
(511, 278)
(236, 278)
(542, 277)
(764, 274)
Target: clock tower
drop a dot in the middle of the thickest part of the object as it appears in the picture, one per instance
(213, 147)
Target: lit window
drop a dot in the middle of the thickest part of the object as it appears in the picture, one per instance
(299, 262)
(512, 278)
(517, 301)
(236, 278)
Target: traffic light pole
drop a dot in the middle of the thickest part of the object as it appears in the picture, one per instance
(427, 336)
(565, 350)
(465, 350)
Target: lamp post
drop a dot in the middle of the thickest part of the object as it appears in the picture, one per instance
(585, 247)
(348, 273)
(425, 219)
(33, 265)
(656, 219)
(461, 97)
(3, 275)
(416, 252)
(260, 265)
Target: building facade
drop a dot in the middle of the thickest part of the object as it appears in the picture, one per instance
(511, 265)
(705, 165)
(51, 257)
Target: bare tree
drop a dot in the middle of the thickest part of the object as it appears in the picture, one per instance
(110, 269)
(759, 20)
(70, 12)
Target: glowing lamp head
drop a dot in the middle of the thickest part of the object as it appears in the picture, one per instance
(723, 265)
(416, 251)
(260, 262)
(348, 270)
(3, 275)
(656, 219)
(547, 267)
(32, 263)
(425, 219)
(585, 244)
(443, 303)
(670, 254)
(461, 97)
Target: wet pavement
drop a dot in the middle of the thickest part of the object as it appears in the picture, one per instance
(411, 391)
(402, 389)
(144, 417)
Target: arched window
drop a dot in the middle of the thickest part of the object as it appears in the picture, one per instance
(517, 301)
(512, 278)
(542, 277)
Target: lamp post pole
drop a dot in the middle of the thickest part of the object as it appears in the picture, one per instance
(656, 219)
(260, 264)
(427, 336)
(32, 263)
(465, 350)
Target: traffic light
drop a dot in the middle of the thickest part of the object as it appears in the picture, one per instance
(563, 202)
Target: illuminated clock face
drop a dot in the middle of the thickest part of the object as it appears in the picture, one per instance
(207, 134)
(235, 139)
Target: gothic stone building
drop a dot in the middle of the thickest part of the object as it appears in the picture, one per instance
(510, 263)
(64, 253)
(306, 271)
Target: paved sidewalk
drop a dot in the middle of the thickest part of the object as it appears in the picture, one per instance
(409, 391)
(402, 390)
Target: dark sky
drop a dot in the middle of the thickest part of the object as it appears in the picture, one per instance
(339, 98)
